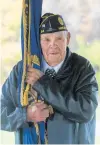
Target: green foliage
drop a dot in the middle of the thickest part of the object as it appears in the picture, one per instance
(7, 65)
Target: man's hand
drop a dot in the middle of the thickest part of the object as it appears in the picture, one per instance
(38, 112)
(33, 75)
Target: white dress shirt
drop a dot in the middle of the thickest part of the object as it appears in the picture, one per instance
(46, 66)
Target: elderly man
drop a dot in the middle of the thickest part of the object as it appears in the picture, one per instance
(67, 83)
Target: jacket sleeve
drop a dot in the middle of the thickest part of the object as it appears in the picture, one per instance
(12, 116)
(78, 104)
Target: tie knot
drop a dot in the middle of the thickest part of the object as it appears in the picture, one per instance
(50, 73)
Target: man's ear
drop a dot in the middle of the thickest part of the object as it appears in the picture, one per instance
(68, 37)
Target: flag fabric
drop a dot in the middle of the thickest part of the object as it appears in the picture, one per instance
(31, 55)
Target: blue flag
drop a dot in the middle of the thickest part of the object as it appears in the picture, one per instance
(31, 55)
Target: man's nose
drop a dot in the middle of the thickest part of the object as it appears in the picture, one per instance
(53, 43)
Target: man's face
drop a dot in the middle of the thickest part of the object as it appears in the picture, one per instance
(54, 46)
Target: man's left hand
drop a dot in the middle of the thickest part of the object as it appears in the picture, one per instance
(33, 75)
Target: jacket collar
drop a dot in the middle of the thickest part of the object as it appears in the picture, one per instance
(66, 62)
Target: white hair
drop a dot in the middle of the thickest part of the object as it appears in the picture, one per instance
(62, 32)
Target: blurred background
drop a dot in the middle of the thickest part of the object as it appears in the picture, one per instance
(82, 18)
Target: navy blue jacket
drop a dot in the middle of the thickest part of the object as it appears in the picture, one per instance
(73, 96)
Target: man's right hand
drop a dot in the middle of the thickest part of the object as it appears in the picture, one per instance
(38, 112)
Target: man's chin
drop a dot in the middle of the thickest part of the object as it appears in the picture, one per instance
(53, 61)
(54, 58)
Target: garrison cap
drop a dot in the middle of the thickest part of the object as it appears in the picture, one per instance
(52, 23)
